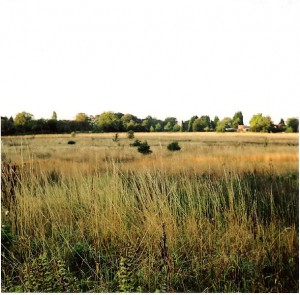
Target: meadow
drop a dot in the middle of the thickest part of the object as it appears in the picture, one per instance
(220, 215)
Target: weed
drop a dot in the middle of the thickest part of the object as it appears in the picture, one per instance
(116, 137)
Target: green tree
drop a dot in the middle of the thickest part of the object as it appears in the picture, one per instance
(82, 117)
(292, 125)
(237, 119)
(260, 123)
(158, 127)
(224, 124)
(215, 122)
(176, 127)
(82, 122)
(168, 127)
(54, 116)
(190, 123)
(148, 122)
(23, 118)
(169, 123)
(7, 126)
(108, 122)
(184, 126)
(129, 122)
(201, 123)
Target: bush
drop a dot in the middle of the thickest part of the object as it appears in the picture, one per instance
(174, 146)
(144, 148)
(136, 143)
(130, 134)
(71, 142)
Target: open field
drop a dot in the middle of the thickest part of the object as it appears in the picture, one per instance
(200, 152)
(220, 215)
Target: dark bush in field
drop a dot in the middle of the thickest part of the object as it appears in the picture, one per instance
(144, 148)
(71, 142)
(136, 143)
(174, 146)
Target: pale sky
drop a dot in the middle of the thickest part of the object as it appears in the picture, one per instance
(158, 58)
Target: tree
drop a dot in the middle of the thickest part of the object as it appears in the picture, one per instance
(82, 122)
(191, 122)
(214, 123)
(281, 126)
(82, 117)
(54, 116)
(148, 122)
(158, 127)
(237, 119)
(224, 124)
(7, 126)
(201, 123)
(168, 127)
(23, 118)
(260, 123)
(169, 123)
(176, 127)
(108, 122)
(292, 125)
(129, 122)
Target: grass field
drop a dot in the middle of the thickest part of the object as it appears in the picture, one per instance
(220, 215)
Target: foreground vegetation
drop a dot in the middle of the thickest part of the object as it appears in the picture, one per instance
(218, 215)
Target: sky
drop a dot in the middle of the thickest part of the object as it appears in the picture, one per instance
(159, 58)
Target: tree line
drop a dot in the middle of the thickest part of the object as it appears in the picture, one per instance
(24, 123)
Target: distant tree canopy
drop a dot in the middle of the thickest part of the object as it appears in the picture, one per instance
(224, 124)
(292, 125)
(201, 124)
(54, 116)
(22, 119)
(260, 123)
(237, 119)
(108, 122)
(24, 123)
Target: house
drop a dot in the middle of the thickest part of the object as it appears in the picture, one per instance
(243, 128)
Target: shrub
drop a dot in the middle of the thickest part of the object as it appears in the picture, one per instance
(71, 142)
(174, 146)
(144, 148)
(136, 143)
(130, 134)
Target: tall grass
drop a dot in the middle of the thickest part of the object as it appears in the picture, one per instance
(152, 230)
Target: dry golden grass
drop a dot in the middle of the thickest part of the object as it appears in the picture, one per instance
(214, 200)
(200, 152)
